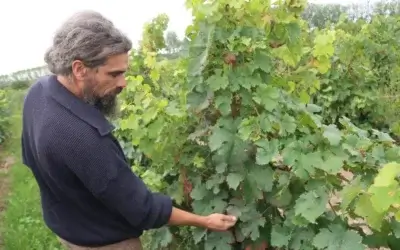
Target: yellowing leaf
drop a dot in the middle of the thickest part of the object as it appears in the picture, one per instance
(387, 175)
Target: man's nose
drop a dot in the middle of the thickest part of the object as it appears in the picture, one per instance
(121, 82)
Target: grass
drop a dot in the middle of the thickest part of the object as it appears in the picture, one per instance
(21, 223)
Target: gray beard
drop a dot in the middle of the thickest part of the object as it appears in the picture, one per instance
(107, 105)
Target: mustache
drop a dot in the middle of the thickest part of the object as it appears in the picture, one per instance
(115, 92)
(118, 90)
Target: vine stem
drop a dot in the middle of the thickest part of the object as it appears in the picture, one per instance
(333, 209)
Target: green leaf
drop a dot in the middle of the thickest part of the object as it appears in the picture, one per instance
(288, 124)
(234, 210)
(252, 228)
(383, 197)
(221, 168)
(219, 241)
(280, 198)
(263, 61)
(313, 108)
(252, 220)
(364, 208)
(200, 51)
(217, 82)
(350, 192)
(267, 96)
(333, 164)
(395, 226)
(219, 137)
(333, 134)
(266, 122)
(337, 237)
(210, 204)
(162, 236)
(234, 179)
(290, 154)
(302, 239)
(247, 128)
(324, 44)
(223, 103)
(198, 234)
(173, 109)
(251, 191)
(199, 192)
(307, 163)
(312, 204)
(280, 236)
(387, 174)
(266, 151)
(214, 182)
(263, 177)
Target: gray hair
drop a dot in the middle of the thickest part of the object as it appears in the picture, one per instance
(87, 36)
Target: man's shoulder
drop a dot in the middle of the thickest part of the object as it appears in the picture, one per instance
(60, 139)
(38, 85)
(67, 129)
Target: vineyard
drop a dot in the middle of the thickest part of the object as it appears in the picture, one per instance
(4, 116)
(289, 124)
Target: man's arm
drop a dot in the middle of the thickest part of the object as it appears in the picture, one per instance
(218, 222)
(180, 217)
(96, 162)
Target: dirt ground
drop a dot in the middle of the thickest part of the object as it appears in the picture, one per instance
(5, 164)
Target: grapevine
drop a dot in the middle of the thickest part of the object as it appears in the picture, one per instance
(241, 126)
(4, 116)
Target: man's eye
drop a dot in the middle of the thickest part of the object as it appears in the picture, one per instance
(117, 73)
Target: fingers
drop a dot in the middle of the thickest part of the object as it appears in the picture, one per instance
(222, 222)
(229, 218)
(228, 221)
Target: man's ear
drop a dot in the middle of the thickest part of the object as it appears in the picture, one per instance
(79, 70)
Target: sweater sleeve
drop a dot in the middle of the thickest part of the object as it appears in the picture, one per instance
(99, 165)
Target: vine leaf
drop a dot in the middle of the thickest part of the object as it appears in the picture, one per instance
(263, 61)
(387, 175)
(336, 237)
(234, 179)
(198, 234)
(280, 236)
(219, 137)
(365, 209)
(217, 82)
(266, 151)
(162, 237)
(312, 204)
(333, 134)
(219, 241)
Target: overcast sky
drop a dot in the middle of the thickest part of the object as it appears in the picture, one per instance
(27, 26)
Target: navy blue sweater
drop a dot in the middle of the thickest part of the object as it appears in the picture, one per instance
(89, 195)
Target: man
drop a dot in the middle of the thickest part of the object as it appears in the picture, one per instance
(90, 197)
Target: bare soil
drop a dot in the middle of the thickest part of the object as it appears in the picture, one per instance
(5, 165)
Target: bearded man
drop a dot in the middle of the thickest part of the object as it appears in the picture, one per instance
(90, 197)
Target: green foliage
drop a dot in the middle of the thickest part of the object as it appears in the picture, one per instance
(23, 78)
(20, 195)
(232, 128)
(363, 80)
(4, 116)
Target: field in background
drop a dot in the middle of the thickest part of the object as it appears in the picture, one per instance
(21, 224)
(288, 87)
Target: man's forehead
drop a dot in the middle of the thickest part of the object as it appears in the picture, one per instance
(117, 63)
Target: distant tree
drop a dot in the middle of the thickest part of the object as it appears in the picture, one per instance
(319, 15)
(173, 44)
(389, 8)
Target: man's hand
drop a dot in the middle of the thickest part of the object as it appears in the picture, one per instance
(215, 222)
(220, 222)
